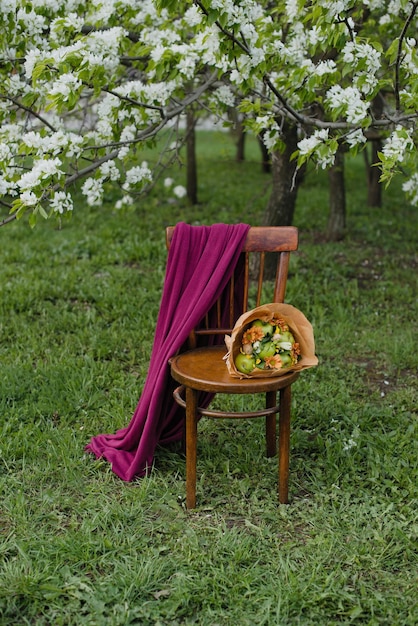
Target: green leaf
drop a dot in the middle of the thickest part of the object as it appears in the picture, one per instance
(212, 17)
(32, 220)
(170, 5)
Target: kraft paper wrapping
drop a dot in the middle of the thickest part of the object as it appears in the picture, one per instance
(299, 326)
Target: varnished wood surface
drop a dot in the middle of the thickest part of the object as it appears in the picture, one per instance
(205, 369)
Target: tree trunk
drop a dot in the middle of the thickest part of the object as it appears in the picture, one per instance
(285, 182)
(337, 207)
(191, 162)
(374, 187)
(265, 156)
(240, 132)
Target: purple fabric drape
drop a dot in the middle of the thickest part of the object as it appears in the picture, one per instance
(200, 262)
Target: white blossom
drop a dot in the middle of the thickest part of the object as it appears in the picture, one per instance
(147, 10)
(136, 175)
(410, 187)
(398, 144)
(193, 16)
(64, 86)
(335, 7)
(350, 100)
(410, 57)
(157, 52)
(324, 67)
(375, 4)
(307, 145)
(61, 202)
(103, 131)
(42, 169)
(54, 144)
(33, 140)
(355, 137)
(32, 57)
(7, 6)
(123, 152)
(225, 5)
(128, 133)
(72, 20)
(236, 77)
(5, 152)
(11, 132)
(109, 170)
(29, 198)
(353, 53)
(34, 23)
(225, 95)
(187, 65)
(6, 186)
(73, 144)
(15, 86)
(349, 444)
(93, 190)
(315, 36)
(272, 135)
(180, 191)
(318, 145)
(126, 200)
(207, 44)
(292, 9)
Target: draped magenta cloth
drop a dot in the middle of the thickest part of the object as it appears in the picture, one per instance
(201, 260)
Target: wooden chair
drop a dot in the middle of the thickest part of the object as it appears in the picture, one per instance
(203, 369)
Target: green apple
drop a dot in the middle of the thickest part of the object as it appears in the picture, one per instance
(265, 327)
(244, 363)
(285, 358)
(287, 336)
(267, 349)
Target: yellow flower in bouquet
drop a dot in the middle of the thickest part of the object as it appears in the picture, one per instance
(267, 346)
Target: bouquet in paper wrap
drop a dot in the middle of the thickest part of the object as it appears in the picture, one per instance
(271, 340)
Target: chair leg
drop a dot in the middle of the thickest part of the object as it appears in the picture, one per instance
(271, 399)
(191, 447)
(284, 444)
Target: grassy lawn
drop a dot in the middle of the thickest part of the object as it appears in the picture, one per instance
(78, 306)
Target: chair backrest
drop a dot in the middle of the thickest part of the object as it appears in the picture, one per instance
(260, 240)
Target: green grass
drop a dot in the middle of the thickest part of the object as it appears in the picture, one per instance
(77, 313)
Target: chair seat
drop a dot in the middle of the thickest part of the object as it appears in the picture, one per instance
(205, 369)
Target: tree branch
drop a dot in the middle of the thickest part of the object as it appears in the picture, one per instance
(28, 110)
(223, 30)
(307, 120)
(7, 220)
(294, 115)
(142, 136)
(399, 55)
(142, 105)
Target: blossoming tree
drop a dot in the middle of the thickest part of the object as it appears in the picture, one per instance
(86, 84)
